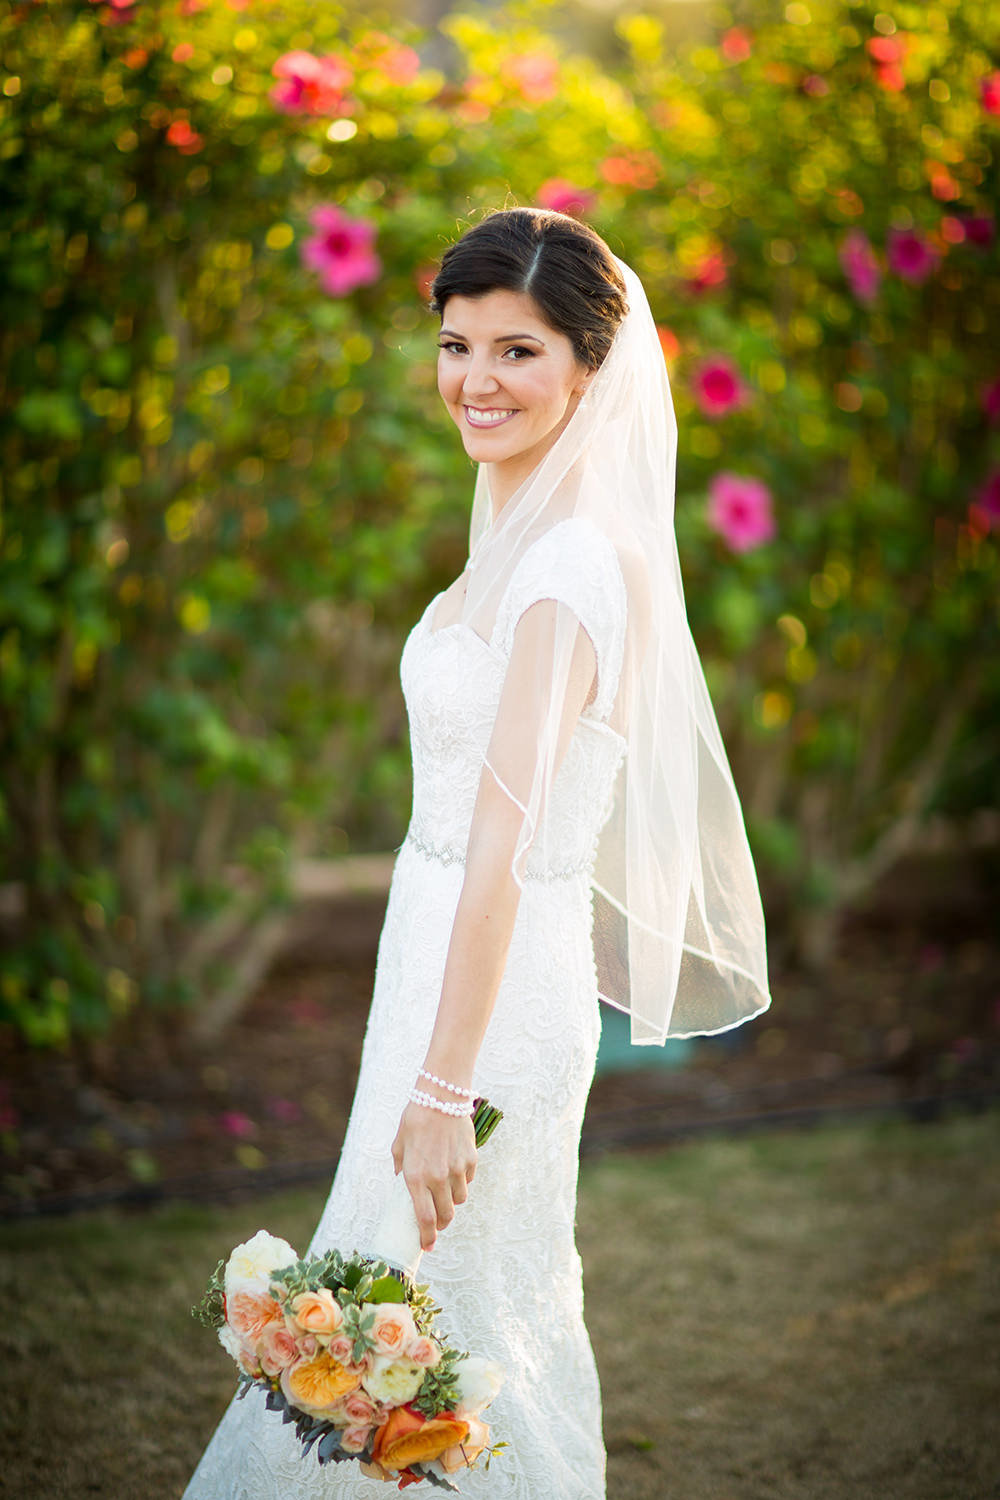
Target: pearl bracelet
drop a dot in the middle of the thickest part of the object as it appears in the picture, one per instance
(417, 1096)
(452, 1088)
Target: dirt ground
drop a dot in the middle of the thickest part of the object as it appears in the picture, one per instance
(907, 1016)
(791, 1316)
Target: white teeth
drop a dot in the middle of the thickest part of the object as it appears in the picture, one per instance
(478, 415)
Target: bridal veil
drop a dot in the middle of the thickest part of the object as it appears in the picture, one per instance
(678, 924)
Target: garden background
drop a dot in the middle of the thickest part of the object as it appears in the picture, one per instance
(229, 491)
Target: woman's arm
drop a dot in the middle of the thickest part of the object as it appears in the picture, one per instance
(436, 1152)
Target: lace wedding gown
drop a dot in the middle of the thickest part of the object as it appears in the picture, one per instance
(506, 1271)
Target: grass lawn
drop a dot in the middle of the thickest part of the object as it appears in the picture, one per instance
(812, 1316)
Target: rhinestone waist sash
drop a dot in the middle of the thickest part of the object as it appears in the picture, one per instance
(446, 854)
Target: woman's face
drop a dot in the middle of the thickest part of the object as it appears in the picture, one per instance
(510, 382)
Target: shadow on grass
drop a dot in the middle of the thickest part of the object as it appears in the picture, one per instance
(810, 1317)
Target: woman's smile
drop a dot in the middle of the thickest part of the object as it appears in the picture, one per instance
(479, 416)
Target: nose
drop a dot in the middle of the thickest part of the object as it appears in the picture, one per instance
(480, 379)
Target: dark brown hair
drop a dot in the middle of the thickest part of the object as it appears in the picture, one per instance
(560, 263)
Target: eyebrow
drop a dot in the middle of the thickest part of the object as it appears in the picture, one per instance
(505, 338)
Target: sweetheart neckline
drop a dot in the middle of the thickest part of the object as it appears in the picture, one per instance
(431, 630)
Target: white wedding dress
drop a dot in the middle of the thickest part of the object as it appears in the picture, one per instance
(506, 1271)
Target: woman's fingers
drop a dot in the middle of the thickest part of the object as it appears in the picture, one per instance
(425, 1211)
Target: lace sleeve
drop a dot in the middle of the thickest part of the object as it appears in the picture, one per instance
(575, 564)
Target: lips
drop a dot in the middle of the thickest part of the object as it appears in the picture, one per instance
(486, 416)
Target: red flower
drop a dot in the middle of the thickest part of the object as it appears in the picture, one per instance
(739, 509)
(669, 343)
(887, 53)
(710, 271)
(910, 255)
(563, 198)
(989, 92)
(636, 169)
(717, 387)
(311, 85)
(186, 140)
(341, 251)
(860, 266)
(734, 44)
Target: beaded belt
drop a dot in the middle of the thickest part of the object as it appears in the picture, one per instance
(451, 856)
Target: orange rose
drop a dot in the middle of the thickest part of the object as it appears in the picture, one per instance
(466, 1451)
(316, 1383)
(315, 1312)
(409, 1438)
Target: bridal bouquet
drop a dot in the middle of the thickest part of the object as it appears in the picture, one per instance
(346, 1348)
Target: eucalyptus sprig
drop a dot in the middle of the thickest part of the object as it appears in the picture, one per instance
(211, 1310)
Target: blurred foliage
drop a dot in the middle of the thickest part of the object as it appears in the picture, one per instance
(228, 493)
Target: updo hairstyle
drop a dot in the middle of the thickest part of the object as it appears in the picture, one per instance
(565, 268)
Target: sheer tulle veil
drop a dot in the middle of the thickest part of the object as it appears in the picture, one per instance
(678, 924)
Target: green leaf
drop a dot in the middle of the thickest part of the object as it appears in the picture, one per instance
(387, 1289)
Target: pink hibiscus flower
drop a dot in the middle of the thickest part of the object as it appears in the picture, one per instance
(989, 92)
(233, 1122)
(989, 398)
(984, 511)
(341, 251)
(533, 75)
(910, 255)
(563, 198)
(311, 85)
(860, 265)
(979, 229)
(717, 386)
(739, 509)
(397, 64)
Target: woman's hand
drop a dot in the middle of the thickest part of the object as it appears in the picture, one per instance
(436, 1154)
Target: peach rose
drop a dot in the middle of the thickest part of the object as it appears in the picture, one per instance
(424, 1351)
(248, 1314)
(355, 1439)
(393, 1326)
(340, 1346)
(276, 1349)
(360, 1408)
(315, 1312)
(409, 1438)
(465, 1453)
(315, 1384)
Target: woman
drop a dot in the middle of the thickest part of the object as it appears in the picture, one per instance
(575, 834)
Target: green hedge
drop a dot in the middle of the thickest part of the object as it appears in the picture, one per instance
(230, 490)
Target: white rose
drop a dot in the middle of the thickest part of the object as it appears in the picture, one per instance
(393, 1381)
(230, 1342)
(238, 1351)
(251, 1263)
(478, 1382)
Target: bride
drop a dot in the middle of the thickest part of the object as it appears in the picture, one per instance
(575, 836)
